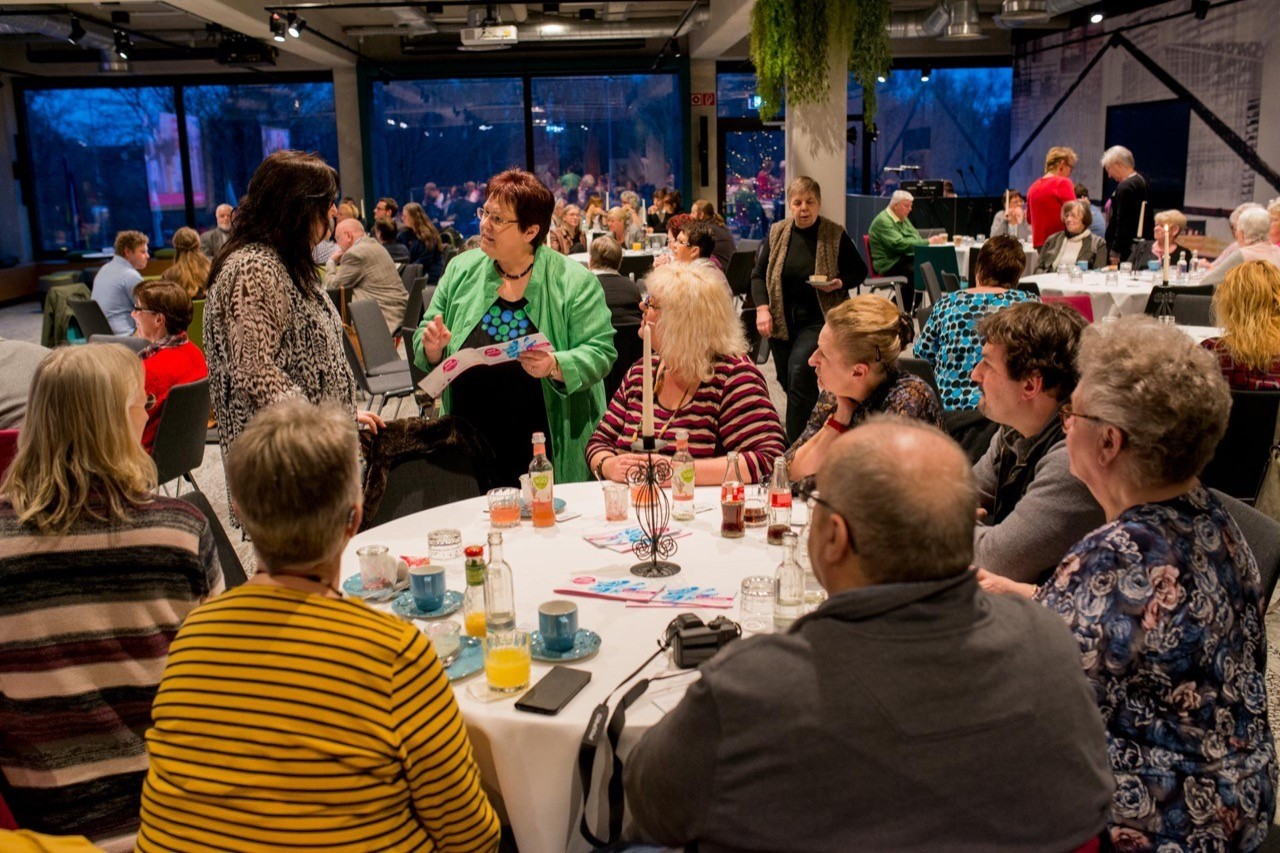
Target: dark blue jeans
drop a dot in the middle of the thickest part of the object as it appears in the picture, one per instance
(797, 378)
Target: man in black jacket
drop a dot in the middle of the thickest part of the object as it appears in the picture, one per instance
(911, 711)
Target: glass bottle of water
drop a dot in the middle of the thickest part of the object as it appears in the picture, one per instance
(499, 592)
(683, 479)
(788, 587)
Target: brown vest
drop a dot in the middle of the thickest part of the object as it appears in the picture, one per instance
(826, 258)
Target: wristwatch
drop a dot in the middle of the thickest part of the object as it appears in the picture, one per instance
(598, 471)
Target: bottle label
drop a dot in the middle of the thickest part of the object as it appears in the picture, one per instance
(780, 500)
(683, 482)
(542, 484)
(732, 492)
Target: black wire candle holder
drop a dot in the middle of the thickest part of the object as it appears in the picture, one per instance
(653, 511)
(1164, 303)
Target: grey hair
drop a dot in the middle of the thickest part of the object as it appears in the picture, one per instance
(1234, 219)
(1117, 154)
(605, 254)
(1086, 215)
(1162, 389)
(1254, 225)
(900, 196)
(909, 490)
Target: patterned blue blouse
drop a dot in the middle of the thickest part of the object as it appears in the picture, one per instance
(1166, 604)
(949, 341)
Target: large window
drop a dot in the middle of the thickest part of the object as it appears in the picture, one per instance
(111, 159)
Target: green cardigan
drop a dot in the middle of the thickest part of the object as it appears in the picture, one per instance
(566, 303)
(891, 241)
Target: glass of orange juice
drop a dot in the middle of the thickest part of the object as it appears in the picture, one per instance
(507, 661)
(504, 507)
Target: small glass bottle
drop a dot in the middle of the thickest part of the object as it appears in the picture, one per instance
(683, 479)
(473, 616)
(732, 500)
(788, 587)
(499, 593)
(542, 481)
(779, 502)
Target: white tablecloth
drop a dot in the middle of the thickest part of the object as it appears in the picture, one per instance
(1127, 296)
(584, 257)
(962, 258)
(529, 761)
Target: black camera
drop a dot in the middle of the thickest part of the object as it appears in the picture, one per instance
(693, 641)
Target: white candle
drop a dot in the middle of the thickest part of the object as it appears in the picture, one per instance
(1142, 220)
(646, 416)
(1164, 263)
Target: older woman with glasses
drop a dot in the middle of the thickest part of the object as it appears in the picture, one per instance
(163, 314)
(513, 287)
(1165, 599)
(856, 365)
(704, 383)
(1075, 243)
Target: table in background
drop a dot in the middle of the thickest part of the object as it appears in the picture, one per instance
(1127, 296)
(962, 258)
(584, 258)
(527, 760)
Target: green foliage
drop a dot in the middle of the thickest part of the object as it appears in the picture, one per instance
(790, 40)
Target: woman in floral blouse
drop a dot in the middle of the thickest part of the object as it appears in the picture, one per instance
(1165, 599)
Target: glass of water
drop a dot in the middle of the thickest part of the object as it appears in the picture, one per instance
(756, 604)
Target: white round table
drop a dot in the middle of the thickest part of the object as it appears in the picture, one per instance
(1127, 296)
(529, 761)
(585, 257)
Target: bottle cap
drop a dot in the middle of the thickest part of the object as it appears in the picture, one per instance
(539, 438)
(474, 551)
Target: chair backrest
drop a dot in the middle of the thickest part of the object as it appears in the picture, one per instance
(950, 282)
(232, 569)
(739, 272)
(899, 290)
(1029, 286)
(180, 436)
(866, 250)
(638, 264)
(626, 340)
(89, 317)
(919, 367)
(1262, 533)
(427, 293)
(406, 340)
(931, 285)
(752, 246)
(415, 465)
(1079, 301)
(1177, 294)
(195, 331)
(1240, 462)
(133, 342)
(87, 274)
(8, 449)
(942, 257)
(408, 273)
(1193, 310)
(413, 307)
(376, 347)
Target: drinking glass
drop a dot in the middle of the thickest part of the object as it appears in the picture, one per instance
(1127, 267)
(504, 507)
(507, 661)
(755, 603)
(615, 501)
(1112, 278)
(756, 506)
(377, 568)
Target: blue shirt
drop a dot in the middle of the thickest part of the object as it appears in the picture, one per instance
(950, 342)
(113, 290)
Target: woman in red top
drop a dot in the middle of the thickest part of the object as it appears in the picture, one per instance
(1048, 194)
(162, 315)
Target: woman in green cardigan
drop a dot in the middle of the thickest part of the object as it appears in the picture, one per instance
(515, 286)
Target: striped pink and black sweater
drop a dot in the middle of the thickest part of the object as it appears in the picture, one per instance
(730, 411)
(86, 619)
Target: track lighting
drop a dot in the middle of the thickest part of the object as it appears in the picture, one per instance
(77, 31)
(277, 27)
(295, 25)
(123, 45)
(924, 74)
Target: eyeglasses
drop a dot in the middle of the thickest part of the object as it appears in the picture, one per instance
(812, 497)
(141, 310)
(498, 221)
(1067, 413)
(648, 303)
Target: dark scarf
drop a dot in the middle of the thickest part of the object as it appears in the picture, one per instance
(164, 343)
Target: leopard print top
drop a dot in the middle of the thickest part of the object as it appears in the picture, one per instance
(266, 341)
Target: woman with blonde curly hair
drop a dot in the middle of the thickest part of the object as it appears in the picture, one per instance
(703, 382)
(1247, 305)
(1165, 599)
(96, 574)
(856, 365)
(190, 268)
(422, 239)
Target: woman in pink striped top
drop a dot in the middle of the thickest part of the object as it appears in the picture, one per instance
(703, 382)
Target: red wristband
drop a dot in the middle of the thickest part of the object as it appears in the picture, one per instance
(836, 425)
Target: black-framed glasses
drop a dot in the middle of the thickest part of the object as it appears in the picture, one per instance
(812, 497)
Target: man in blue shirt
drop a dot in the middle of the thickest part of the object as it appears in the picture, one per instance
(113, 285)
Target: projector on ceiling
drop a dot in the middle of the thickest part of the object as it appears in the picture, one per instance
(492, 36)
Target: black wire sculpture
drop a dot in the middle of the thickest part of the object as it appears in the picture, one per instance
(1165, 297)
(653, 511)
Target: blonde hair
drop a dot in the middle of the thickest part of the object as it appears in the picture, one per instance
(703, 209)
(1176, 218)
(869, 330)
(190, 269)
(1058, 154)
(78, 456)
(294, 475)
(420, 224)
(698, 322)
(1247, 305)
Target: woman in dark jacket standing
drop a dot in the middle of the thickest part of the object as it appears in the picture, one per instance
(790, 310)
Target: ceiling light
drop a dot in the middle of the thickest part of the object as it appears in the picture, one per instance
(924, 74)
(404, 126)
(391, 122)
(880, 78)
(277, 26)
(123, 45)
(1024, 10)
(1095, 18)
(295, 25)
(554, 29)
(77, 31)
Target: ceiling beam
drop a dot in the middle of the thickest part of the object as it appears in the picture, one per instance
(730, 23)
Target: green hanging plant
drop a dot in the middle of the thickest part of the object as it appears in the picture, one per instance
(790, 40)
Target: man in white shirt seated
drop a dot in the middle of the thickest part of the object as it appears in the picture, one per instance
(113, 285)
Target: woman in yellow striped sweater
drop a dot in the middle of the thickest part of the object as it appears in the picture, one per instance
(292, 718)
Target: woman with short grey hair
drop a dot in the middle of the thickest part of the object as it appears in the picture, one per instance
(1075, 243)
(1253, 229)
(1165, 599)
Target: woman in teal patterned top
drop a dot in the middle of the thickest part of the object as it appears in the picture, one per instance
(949, 340)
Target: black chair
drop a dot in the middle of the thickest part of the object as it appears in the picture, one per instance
(377, 349)
(626, 340)
(386, 386)
(232, 569)
(413, 306)
(739, 272)
(1240, 462)
(950, 282)
(415, 464)
(1029, 287)
(931, 285)
(133, 342)
(427, 293)
(919, 367)
(88, 315)
(1262, 533)
(178, 448)
(1189, 308)
(637, 266)
(409, 273)
(752, 246)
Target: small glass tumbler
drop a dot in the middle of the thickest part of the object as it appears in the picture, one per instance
(1127, 267)
(444, 544)
(755, 604)
(504, 507)
(1112, 278)
(445, 637)
(616, 498)
(507, 661)
(756, 506)
(377, 568)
